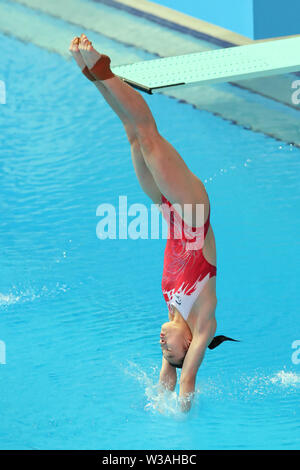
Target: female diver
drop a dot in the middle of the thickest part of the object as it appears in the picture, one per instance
(189, 274)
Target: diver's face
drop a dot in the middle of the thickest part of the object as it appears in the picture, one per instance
(172, 342)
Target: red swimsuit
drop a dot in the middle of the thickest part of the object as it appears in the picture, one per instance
(186, 270)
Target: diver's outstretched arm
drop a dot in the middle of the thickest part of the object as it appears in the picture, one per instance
(202, 337)
(168, 375)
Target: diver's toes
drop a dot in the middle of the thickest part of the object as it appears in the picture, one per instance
(74, 44)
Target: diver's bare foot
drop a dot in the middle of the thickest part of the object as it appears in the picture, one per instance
(89, 54)
(74, 50)
(98, 64)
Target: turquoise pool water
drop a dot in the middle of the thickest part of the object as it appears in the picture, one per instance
(80, 317)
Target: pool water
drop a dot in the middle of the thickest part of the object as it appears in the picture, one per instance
(80, 317)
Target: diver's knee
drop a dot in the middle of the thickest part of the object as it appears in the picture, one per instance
(148, 136)
(131, 133)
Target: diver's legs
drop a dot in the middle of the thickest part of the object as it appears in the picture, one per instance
(76, 53)
(132, 103)
(142, 171)
(170, 173)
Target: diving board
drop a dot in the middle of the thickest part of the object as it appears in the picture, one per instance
(220, 65)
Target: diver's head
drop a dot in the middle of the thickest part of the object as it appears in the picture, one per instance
(175, 339)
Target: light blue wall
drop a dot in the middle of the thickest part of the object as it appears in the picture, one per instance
(256, 19)
(236, 15)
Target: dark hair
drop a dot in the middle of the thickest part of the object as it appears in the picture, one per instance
(214, 343)
(178, 365)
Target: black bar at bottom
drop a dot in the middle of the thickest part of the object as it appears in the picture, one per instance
(135, 458)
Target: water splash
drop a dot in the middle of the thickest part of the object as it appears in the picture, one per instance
(224, 171)
(287, 379)
(162, 401)
(158, 399)
(245, 387)
(8, 299)
(17, 295)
